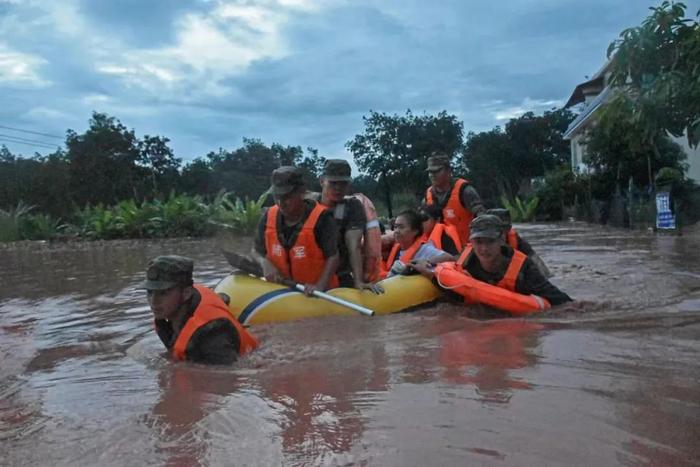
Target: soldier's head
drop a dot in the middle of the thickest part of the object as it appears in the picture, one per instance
(504, 215)
(335, 180)
(288, 190)
(169, 284)
(431, 214)
(486, 237)
(439, 169)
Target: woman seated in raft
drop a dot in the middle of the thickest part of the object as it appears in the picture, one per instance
(490, 260)
(410, 245)
(515, 241)
(444, 237)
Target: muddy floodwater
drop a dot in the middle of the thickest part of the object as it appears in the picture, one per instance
(84, 381)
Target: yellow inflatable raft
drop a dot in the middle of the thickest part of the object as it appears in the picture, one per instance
(255, 301)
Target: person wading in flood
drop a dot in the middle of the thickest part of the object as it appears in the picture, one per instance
(349, 214)
(490, 260)
(192, 321)
(516, 242)
(297, 238)
(459, 201)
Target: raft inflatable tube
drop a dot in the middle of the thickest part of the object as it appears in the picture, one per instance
(449, 277)
(255, 301)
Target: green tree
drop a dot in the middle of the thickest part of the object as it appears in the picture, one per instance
(499, 160)
(655, 66)
(617, 151)
(39, 181)
(198, 178)
(159, 160)
(103, 162)
(393, 149)
(313, 164)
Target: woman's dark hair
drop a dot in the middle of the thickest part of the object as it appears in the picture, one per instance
(414, 220)
(432, 211)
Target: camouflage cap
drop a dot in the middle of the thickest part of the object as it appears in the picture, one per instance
(486, 226)
(286, 179)
(502, 214)
(437, 162)
(337, 170)
(165, 272)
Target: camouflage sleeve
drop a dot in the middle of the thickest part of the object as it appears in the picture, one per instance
(531, 281)
(356, 218)
(471, 200)
(326, 234)
(260, 236)
(524, 246)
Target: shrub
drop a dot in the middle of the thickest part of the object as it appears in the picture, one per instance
(521, 211)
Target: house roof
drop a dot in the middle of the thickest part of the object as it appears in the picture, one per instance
(596, 83)
(579, 95)
(587, 113)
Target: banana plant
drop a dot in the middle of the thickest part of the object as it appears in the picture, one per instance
(520, 211)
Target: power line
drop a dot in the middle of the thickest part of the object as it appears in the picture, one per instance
(27, 140)
(12, 139)
(32, 132)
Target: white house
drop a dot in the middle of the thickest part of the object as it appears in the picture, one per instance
(593, 94)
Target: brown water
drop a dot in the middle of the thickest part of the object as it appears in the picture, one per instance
(83, 379)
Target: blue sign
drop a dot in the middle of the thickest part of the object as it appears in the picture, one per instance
(665, 219)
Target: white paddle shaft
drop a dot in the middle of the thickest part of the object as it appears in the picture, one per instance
(337, 301)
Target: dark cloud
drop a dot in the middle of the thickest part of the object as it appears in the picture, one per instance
(136, 22)
(481, 61)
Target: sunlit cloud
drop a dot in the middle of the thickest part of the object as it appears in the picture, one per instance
(42, 112)
(528, 105)
(20, 69)
(209, 48)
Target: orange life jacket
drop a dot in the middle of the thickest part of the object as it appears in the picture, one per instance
(453, 276)
(438, 233)
(304, 261)
(211, 308)
(512, 239)
(406, 257)
(453, 213)
(371, 241)
(510, 277)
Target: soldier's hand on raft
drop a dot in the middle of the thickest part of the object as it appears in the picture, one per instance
(374, 288)
(270, 272)
(309, 289)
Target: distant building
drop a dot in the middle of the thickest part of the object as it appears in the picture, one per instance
(591, 95)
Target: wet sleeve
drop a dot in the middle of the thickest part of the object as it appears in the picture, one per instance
(524, 246)
(471, 200)
(165, 333)
(215, 343)
(531, 281)
(326, 234)
(357, 220)
(449, 246)
(260, 235)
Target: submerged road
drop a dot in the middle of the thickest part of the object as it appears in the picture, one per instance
(83, 378)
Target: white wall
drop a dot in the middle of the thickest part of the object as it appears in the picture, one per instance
(693, 158)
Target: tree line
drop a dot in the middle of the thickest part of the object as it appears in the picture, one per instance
(654, 70)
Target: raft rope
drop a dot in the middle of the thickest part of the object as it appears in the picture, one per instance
(442, 286)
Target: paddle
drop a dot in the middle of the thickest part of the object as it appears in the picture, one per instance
(251, 267)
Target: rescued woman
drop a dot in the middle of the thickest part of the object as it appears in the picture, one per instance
(410, 245)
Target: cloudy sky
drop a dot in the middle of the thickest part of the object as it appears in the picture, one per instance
(206, 73)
